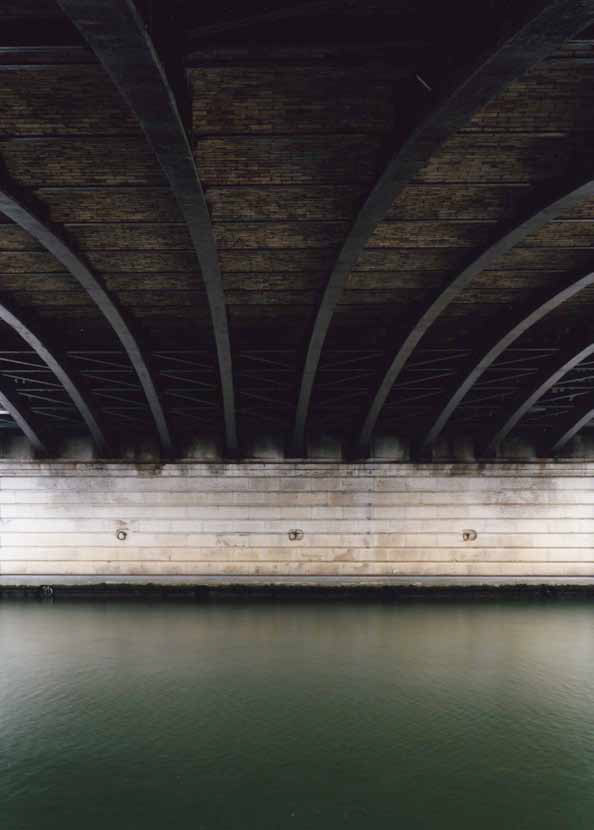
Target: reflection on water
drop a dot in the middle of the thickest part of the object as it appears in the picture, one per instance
(299, 715)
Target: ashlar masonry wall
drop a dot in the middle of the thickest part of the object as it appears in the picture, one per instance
(296, 521)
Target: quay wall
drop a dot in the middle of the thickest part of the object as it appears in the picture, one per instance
(296, 522)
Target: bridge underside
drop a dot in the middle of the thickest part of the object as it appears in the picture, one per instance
(341, 222)
(348, 241)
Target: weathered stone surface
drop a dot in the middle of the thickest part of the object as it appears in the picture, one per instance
(197, 520)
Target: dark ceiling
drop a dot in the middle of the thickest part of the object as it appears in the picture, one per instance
(326, 218)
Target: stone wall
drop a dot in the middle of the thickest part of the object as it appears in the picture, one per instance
(292, 521)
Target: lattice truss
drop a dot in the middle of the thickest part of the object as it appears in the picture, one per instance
(187, 380)
(266, 381)
(344, 380)
(423, 387)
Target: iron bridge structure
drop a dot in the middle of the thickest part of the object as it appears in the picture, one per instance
(362, 223)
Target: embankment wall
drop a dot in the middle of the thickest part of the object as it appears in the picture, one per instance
(296, 522)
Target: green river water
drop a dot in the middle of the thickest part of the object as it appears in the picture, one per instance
(243, 715)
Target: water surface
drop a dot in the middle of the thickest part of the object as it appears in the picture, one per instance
(296, 715)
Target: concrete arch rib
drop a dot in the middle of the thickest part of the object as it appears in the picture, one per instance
(17, 210)
(22, 415)
(116, 33)
(503, 340)
(527, 47)
(573, 423)
(522, 403)
(48, 354)
(454, 288)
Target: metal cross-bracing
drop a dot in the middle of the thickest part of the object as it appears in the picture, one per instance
(186, 378)
(52, 409)
(108, 376)
(59, 365)
(556, 406)
(497, 345)
(117, 34)
(425, 384)
(264, 377)
(527, 397)
(22, 214)
(527, 47)
(343, 379)
(515, 367)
